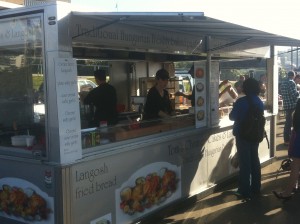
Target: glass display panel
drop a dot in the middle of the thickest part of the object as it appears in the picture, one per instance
(130, 105)
(22, 98)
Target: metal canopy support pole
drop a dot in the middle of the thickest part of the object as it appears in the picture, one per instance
(208, 72)
(272, 97)
(297, 58)
(292, 58)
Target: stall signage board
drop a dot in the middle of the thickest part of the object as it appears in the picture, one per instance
(68, 110)
(87, 31)
(123, 193)
(220, 151)
(106, 186)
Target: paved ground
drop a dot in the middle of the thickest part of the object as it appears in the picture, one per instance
(222, 207)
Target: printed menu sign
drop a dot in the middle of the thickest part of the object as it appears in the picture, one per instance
(68, 110)
(214, 93)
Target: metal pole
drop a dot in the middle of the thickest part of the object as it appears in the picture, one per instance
(208, 72)
(297, 58)
(292, 58)
(272, 96)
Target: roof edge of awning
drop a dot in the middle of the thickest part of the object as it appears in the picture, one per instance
(95, 13)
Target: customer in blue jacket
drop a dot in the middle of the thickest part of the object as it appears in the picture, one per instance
(249, 163)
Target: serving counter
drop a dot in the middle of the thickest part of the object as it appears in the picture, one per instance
(134, 129)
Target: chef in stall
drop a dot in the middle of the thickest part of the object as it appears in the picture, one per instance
(158, 103)
(104, 98)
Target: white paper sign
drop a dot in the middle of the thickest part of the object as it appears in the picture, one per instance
(68, 109)
(214, 94)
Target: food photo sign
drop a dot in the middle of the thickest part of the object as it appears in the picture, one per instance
(25, 202)
(148, 189)
(118, 193)
(200, 94)
(26, 193)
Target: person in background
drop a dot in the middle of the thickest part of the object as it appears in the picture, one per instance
(251, 74)
(190, 97)
(294, 154)
(239, 84)
(104, 98)
(158, 104)
(297, 81)
(249, 163)
(263, 85)
(289, 93)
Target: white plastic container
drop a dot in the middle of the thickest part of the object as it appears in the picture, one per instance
(21, 140)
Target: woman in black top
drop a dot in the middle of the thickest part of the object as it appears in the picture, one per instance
(158, 104)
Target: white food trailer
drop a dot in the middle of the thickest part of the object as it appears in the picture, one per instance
(55, 168)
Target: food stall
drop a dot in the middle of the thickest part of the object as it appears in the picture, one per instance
(57, 169)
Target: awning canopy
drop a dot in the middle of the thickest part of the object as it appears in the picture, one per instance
(202, 34)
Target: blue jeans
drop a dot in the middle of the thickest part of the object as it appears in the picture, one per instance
(250, 170)
(288, 124)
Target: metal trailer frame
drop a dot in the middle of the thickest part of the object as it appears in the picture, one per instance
(86, 188)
